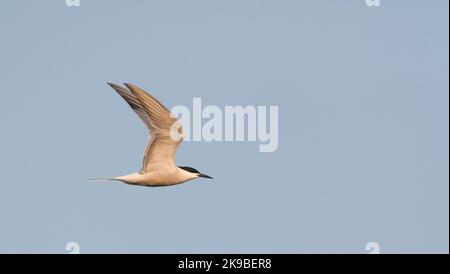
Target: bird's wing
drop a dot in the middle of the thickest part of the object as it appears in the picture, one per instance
(134, 103)
(165, 132)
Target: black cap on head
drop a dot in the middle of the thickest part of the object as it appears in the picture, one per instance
(193, 170)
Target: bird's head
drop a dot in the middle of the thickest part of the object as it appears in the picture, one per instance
(195, 172)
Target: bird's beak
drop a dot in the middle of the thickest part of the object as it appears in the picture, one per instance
(204, 176)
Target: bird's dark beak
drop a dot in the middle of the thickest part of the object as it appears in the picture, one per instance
(204, 176)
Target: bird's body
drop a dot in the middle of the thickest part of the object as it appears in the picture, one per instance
(162, 177)
(165, 135)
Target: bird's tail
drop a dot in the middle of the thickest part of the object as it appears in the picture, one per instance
(101, 180)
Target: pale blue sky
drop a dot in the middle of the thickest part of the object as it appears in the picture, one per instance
(363, 125)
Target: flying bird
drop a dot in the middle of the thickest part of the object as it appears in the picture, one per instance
(165, 135)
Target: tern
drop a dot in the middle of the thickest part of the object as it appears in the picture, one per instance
(165, 135)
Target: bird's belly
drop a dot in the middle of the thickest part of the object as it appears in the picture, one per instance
(158, 178)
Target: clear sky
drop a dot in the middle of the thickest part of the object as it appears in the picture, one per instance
(363, 125)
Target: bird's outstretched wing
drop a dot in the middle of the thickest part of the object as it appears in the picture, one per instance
(165, 132)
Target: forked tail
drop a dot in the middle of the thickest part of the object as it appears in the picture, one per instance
(102, 180)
